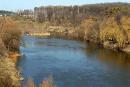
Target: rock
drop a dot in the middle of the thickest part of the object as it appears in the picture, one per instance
(21, 79)
(106, 44)
(126, 49)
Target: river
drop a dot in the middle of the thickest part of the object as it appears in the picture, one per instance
(73, 63)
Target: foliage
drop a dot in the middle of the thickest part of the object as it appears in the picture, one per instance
(8, 13)
(8, 73)
(76, 14)
(110, 31)
(46, 83)
(3, 51)
(10, 33)
(125, 21)
(90, 27)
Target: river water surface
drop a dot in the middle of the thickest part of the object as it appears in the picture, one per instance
(73, 63)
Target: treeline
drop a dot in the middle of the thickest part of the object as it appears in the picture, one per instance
(74, 15)
(7, 13)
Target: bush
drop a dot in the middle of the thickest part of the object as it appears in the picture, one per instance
(8, 74)
(125, 21)
(10, 34)
(110, 30)
(3, 51)
(91, 29)
(46, 83)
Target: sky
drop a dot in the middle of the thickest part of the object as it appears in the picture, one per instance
(13, 5)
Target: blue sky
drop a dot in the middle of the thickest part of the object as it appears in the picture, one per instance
(30, 4)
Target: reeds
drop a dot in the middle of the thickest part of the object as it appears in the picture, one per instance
(46, 83)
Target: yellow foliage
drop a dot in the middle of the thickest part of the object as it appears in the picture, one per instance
(8, 73)
(10, 33)
(109, 29)
(90, 28)
(46, 83)
(125, 21)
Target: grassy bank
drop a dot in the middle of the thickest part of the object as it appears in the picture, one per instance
(9, 43)
(8, 73)
(10, 35)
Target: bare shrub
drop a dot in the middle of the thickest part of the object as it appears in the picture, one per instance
(8, 74)
(90, 29)
(3, 51)
(125, 21)
(46, 83)
(110, 30)
(10, 34)
(30, 83)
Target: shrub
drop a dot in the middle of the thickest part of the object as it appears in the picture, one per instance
(30, 83)
(110, 30)
(3, 51)
(125, 21)
(46, 83)
(10, 34)
(8, 74)
(90, 29)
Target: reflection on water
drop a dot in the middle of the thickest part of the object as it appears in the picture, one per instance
(73, 63)
(116, 58)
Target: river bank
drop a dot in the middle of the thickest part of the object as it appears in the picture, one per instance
(106, 24)
(107, 44)
(9, 45)
(10, 37)
(110, 32)
(14, 56)
(73, 33)
(79, 33)
(9, 76)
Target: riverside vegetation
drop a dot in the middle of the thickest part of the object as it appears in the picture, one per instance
(9, 45)
(10, 35)
(105, 24)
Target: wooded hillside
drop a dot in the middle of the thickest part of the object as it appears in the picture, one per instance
(75, 14)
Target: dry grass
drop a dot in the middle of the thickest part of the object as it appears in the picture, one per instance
(3, 51)
(10, 33)
(30, 83)
(9, 41)
(125, 21)
(8, 73)
(109, 30)
(90, 28)
(46, 83)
